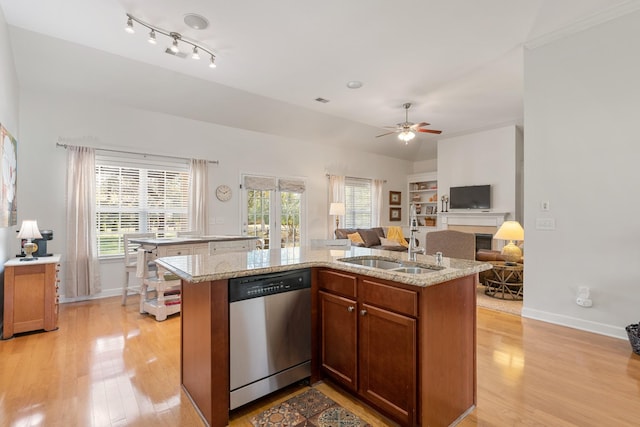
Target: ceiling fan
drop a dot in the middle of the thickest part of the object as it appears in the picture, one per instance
(406, 131)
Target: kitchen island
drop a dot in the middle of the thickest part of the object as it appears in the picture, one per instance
(408, 349)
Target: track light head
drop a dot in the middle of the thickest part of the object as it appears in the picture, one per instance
(152, 37)
(174, 47)
(129, 28)
(195, 54)
(212, 63)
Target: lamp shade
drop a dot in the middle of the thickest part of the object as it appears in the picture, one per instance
(510, 230)
(336, 209)
(29, 230)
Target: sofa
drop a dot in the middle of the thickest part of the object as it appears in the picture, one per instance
(374, 238)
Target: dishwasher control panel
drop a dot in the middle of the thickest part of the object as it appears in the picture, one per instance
(262, 285)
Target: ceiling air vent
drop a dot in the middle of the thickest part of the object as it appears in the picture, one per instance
(324, 101)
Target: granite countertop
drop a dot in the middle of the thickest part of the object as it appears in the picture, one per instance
(201, 268)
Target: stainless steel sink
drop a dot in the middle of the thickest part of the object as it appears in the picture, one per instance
(392, 264)
(385, 264)
(414, 270)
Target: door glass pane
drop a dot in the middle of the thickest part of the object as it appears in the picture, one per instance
(289, 219)
(258, 215)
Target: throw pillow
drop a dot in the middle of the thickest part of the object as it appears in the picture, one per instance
(369, 236)
(389, 242)
(355, 238)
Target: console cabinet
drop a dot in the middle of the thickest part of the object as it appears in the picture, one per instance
(30, 295)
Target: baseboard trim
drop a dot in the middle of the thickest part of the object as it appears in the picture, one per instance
(575, 323)
(104, 294)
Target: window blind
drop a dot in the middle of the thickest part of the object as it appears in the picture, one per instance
(357, 193)
(138, 195)
(291, 185)
(263, 183)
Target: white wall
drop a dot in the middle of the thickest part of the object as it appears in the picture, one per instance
(83, 121)
(487, 157)
(9, 245)
(582, 151)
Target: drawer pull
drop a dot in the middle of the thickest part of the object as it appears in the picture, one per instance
(363, 312)
(350, 309)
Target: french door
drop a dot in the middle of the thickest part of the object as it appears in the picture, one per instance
(273, 212)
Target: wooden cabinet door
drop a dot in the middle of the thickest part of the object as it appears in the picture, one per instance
(388, 367)
(338, 342)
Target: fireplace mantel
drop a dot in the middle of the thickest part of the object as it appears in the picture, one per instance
(473, 218)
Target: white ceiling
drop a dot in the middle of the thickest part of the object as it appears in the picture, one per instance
(458, 61)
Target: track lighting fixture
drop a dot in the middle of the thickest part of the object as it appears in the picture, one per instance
(129, 28)
(177, 39)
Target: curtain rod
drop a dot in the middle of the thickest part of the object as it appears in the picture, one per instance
(355, 177)
(217, 162)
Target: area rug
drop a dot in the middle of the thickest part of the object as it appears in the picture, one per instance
(507, 306)
(309, 409)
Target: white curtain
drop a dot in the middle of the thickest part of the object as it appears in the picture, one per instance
(376, 202)
(336, 194)
(82, 268)
(198, 211)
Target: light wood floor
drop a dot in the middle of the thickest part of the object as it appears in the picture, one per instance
(107, 365)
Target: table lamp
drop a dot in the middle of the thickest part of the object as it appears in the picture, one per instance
(29, 230)
(511, 231)
(337, 209)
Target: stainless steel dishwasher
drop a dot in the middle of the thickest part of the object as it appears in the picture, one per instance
(269, 333)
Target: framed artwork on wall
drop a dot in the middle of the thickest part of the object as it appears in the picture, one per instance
(395, 198)
(8, 174)
(395, 214)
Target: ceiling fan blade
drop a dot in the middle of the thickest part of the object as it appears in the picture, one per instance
(388, 133)
(389, 127)
(419, 125)
(438, 132)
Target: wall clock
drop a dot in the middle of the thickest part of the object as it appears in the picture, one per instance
(223, 193)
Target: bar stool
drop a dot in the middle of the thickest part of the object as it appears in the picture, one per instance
(131, 261)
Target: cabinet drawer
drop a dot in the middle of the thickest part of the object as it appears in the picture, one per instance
(177, 250)
(340, 283)
(396, 299)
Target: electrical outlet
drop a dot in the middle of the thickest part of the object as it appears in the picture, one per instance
(583, 297)
(584, 302)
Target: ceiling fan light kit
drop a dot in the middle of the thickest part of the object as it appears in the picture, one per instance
(194, 21)
(407, 131)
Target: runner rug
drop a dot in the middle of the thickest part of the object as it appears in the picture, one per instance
(309, 409)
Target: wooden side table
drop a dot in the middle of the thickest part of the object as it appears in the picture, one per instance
(506, 282)
(30, 295)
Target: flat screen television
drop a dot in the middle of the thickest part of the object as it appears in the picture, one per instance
(470, 197)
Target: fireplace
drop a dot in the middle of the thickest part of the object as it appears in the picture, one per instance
(483, 241)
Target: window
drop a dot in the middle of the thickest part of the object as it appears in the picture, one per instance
(274, 210)
(357, 195)
(138, 195)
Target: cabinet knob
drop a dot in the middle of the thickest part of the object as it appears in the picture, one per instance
(363, 312)
(350, 309)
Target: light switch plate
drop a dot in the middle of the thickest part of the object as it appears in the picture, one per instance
(545, 224)
(544, 205)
